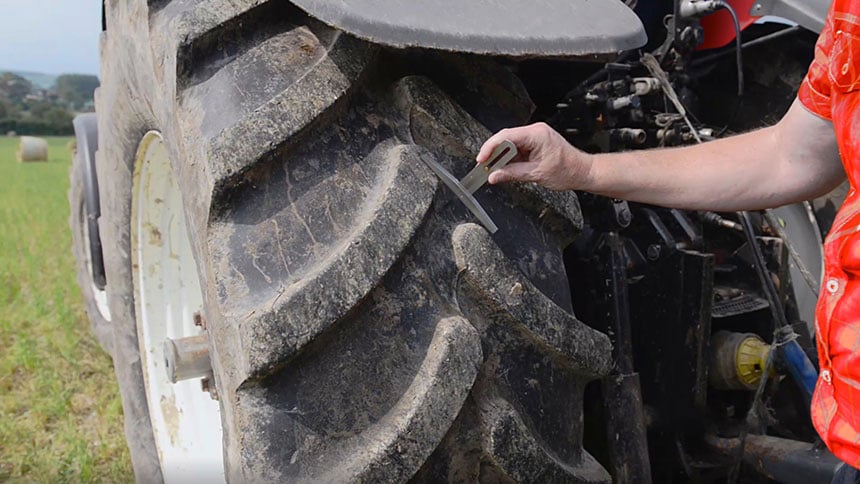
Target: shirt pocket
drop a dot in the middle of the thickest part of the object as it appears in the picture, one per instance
(843, 69)
(849, 254)
(823, 408)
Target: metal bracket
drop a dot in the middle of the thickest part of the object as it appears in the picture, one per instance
(502, 154)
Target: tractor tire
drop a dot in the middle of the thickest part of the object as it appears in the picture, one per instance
(94, 295)
(360, 326)
(828, 205)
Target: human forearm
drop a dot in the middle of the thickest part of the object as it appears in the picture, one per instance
(791, 161)
(724, 175)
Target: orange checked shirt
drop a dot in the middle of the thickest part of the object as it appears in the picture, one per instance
(832, 90)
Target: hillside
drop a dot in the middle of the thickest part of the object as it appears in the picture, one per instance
(28, 108)
(38, 79)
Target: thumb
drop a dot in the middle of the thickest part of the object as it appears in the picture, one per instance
(514, 172)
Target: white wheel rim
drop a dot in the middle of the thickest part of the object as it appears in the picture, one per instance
(186, 422)
(99, 295)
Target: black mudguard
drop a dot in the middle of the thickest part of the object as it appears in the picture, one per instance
(499, 27)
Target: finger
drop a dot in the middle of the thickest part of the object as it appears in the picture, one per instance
(526, 138)
(521, 137)
(516, 172)
(490, 145)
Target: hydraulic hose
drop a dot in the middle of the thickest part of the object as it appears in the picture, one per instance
(738, 48)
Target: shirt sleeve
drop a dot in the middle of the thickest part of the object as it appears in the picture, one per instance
(814, 92)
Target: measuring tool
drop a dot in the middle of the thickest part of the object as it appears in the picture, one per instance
(502, 154)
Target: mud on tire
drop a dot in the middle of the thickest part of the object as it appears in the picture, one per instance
(360, 326)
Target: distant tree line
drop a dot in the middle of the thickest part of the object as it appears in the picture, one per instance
(28, 110)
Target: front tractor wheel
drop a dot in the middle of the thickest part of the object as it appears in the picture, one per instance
(83, 222)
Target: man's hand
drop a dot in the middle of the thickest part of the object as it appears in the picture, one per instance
(544, 157)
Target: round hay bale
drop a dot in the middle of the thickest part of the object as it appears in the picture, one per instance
(32, 149)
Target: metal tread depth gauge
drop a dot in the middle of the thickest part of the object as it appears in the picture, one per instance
(475, 179)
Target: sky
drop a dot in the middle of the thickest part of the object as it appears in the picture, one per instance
(50, 36)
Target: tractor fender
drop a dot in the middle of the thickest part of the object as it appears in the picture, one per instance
(502, 27)
(809, 14)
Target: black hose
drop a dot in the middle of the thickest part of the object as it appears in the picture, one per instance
(793, 29)
(780, 321)
(767, 285)
(738, 48)
(599, 74)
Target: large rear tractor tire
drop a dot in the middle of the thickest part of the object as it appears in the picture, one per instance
(263, 176)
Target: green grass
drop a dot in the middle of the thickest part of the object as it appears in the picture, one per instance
(60, 411)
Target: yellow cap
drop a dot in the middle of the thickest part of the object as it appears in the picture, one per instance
(750, 360)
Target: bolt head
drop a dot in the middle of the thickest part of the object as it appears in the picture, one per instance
(199, 321)
(624, 217)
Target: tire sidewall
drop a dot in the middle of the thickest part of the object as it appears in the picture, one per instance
(80, 250)
(122, 123)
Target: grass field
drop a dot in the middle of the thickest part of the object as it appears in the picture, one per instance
(60, 412)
